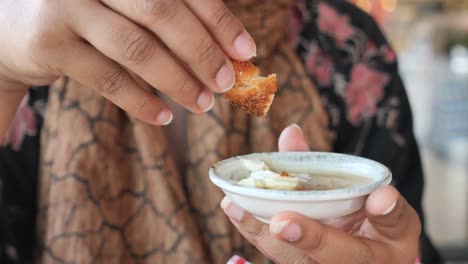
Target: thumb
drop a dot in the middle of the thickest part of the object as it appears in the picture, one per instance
(391, 215)
(292, 139)
(319, 242)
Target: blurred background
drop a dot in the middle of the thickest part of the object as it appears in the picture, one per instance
(431, 38)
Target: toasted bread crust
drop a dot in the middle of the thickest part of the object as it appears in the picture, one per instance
(252, 93)
(245, 69)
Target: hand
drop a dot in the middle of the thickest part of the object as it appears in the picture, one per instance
(179, 46)
(387, 232)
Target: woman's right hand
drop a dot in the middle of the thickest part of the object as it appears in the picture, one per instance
(179, 46)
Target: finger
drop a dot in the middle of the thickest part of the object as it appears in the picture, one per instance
(292, 139)
(391, 215)
(259, 235)
(183, 33)
(92, 69)
(143, 84)
(225, 27)
(349, 223)
(320, 242)
(131, 46)
(11, 95)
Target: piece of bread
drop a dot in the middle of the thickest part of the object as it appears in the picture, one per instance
(252, 93)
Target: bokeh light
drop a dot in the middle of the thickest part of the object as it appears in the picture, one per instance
(389, 5)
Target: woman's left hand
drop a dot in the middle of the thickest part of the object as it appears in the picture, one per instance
(387, 230)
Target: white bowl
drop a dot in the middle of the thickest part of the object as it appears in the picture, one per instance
(319, 205)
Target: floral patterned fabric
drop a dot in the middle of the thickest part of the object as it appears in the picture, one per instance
(355, 72)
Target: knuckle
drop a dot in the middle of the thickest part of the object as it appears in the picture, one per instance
(221, 17)
(318, 241)
(256, 231)
(362, 257)
(39, 45)
(141, 107)
(157, 11)
(301, 259)
(418, 227)
(41, 39)
(112, 82)
(206, 50)
(416, 224)
(136, 47)
(183, 87)
(43, 32)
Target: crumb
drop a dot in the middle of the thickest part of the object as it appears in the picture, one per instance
(300, 188)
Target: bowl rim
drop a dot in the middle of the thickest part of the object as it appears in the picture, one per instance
(281, 195)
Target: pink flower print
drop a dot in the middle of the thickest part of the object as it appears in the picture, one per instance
(320, 66)
(364, 92)
(23, 124)
(238, 260)
(389, 55)
(334, 24)
(295, 27)
(384, 53)
(370, 48)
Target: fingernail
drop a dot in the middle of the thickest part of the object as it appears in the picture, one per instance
(206, 100)
(278, 227)
(287, 230)
(390, 209)
(225, 78)
(164, 118)
(245, 46)
(225, 202)
(232, 210)
(296, 126)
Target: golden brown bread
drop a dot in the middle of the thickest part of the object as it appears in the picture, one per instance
(252, 93)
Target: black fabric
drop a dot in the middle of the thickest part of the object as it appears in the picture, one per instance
(18, 190)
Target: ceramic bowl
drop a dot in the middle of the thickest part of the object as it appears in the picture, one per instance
(320, 205)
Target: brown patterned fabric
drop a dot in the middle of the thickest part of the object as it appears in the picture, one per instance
(110, 187)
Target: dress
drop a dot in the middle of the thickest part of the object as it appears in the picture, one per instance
(355, 75)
